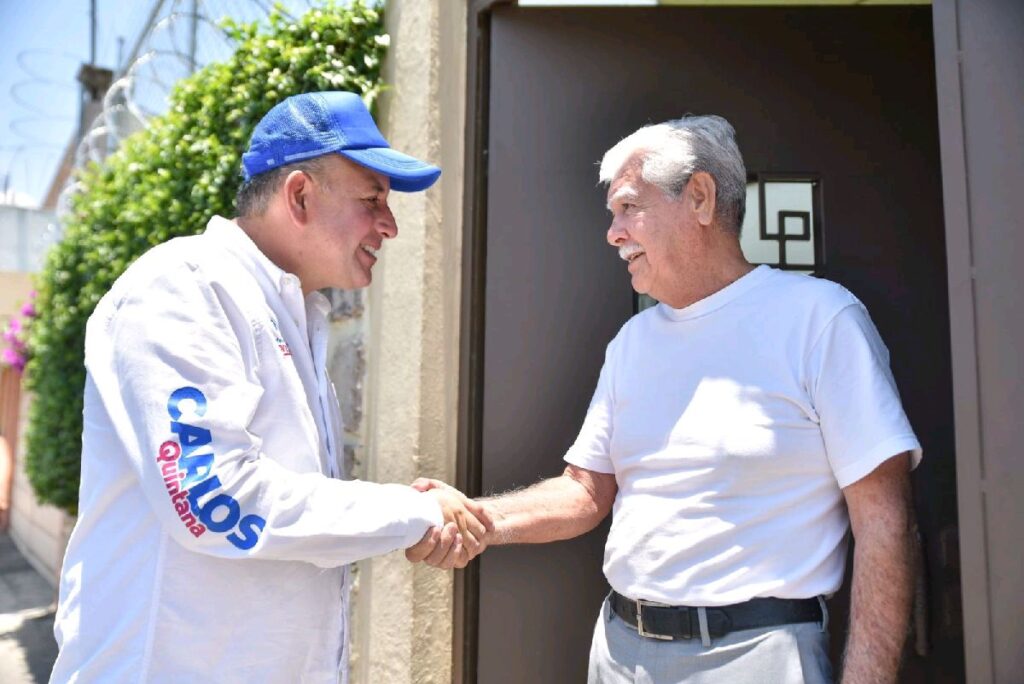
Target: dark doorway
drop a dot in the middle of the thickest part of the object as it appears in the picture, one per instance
(843, 95)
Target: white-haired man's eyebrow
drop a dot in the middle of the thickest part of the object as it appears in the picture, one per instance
(622, 195)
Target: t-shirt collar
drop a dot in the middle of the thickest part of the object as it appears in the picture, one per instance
(717, 300)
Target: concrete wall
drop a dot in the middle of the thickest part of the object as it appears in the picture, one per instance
(14, 290)
(40, 531)
(346, 365)
(980, 69)
(402, 616)
(25, 236)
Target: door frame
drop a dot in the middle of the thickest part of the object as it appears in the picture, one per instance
(468, 462)
(974, 570)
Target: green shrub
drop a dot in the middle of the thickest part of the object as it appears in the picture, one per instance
(166, 181)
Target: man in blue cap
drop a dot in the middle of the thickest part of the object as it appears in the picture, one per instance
(214, 524)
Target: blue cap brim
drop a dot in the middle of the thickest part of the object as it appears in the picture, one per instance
(407, 174)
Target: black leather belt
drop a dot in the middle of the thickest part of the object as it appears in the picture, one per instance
(659, 621)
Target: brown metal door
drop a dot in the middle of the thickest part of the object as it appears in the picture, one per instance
(846, 94)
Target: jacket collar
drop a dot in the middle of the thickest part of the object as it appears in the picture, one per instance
(233, 238)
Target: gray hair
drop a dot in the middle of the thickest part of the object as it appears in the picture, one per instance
(673, 151)
(254, 195)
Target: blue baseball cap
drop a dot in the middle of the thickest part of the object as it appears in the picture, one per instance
(314, 124)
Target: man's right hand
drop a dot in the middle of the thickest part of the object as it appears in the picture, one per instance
(469, 516)
(462, 538)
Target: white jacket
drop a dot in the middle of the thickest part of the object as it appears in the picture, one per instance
(211, 541)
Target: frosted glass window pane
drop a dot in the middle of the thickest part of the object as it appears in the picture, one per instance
(785, 235)
(756, 250)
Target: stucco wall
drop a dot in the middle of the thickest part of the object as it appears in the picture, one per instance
(40, 531)
(14, 291)
(402, 617)
(346, 365)
(25, 236)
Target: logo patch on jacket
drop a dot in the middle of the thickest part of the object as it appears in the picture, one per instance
(186, 464)
(282, 346)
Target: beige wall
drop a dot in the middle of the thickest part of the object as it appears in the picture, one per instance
(39, 531)
(14, 290)
(402, 618)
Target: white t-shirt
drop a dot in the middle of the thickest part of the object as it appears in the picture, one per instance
(731, 426)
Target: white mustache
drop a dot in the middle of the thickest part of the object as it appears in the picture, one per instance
(628, 250)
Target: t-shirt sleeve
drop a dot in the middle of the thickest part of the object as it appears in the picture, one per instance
(854, 394)
(592, 448)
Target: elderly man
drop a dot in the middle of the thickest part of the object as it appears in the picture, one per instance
(738, 430)
(214, 522)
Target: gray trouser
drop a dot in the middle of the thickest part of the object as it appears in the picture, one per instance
(786, 654)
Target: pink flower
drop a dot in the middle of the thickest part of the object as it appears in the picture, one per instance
(15, 353)
(12, 358)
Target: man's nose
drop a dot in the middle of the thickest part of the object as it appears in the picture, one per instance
(386, 224)
(616, 234)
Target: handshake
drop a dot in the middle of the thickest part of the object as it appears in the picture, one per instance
(468, 528)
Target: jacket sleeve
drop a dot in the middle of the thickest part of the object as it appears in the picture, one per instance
(178, 381)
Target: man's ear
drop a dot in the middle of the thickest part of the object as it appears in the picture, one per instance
(701, 195)
(296, 189)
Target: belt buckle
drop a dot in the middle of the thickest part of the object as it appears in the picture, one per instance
(640, 603)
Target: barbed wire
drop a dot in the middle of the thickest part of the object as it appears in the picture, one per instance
(181, 36)
(173, 39)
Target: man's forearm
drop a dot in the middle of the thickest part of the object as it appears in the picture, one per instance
(560, 508)
(883, 580)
